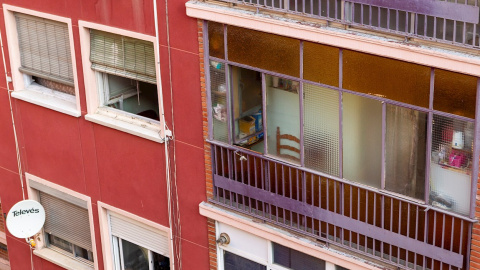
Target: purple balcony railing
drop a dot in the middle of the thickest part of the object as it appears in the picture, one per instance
(454, 22)
(401, 232)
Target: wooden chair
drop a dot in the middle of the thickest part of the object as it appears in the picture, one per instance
(288, 147)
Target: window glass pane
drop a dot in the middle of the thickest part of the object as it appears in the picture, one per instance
(283, 118)
(216, 47)
(320, 63)
(83, 253)
(405, 144)
(295, 260)
(362, 140)
(451, 166)
(455, 93)
(321, 129)
(388, 78)
(134, 257)
(262, 50)
(247, 108)
(235, 262)
(160, 262)
(132, 96)
(60, 243)
(218, 90)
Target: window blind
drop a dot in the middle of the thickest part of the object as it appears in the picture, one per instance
(122, 56)
(44, 48)
(66, 220)
(139, 235)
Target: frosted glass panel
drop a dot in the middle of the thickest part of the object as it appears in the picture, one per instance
(362, 140)
(216, 45)
(320, 63)
(455, 93)
(451, 167)
(321, 129)
(283, 118)
(388, 78)
(218, 90)
(262, 50)
(405, 144)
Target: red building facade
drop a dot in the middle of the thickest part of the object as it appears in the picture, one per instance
(116, 171)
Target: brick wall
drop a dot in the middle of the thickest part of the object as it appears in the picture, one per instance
(212, 245)
(3, 252)
(475, 248)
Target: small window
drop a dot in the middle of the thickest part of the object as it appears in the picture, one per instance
(295, 260)
(125, 73)
(67, 227)
(138, 246)
(235, 262)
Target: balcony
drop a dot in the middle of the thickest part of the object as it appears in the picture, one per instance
(401, 232)
(454, 22)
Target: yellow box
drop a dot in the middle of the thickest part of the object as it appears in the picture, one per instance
(247, 125)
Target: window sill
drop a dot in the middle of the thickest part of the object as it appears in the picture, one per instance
(126, 123)
(48, 98)
(61, 260)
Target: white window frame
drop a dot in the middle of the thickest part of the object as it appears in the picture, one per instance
(33, 93)
(113, 118)
(51, 253)
(108, 249)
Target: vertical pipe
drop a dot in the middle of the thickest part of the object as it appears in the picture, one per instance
(340, 113)
(476, 153)
(384, 135)
(429, 138)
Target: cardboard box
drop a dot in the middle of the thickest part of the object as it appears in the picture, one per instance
(247, 125)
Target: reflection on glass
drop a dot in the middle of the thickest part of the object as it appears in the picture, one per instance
(218, 92)
(405, 145)
(321, 129)
(451, 165)
(283, 118)
(362, 140)
(247, 108)
(135, 257)
(232, 261)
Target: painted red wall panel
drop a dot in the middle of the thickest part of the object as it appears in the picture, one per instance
(132, 173)
(8, 154)
(187, 100)
(198, 256)
(183, 29)
(53, 146)
(191, 171)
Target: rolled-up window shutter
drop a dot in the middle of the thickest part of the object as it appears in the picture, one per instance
(122, 56)
(44, 48)
(66, 220)
(148, 238)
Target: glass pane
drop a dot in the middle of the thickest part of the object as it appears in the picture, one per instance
(450, 175)
(132, 96)
(247, 108)
(60, 243)
(235, 262)
(283, 118)
(388, 78)
(362, 140)
(405, 144)
(320, 63)
(218, 90)
(455, 93)
(160, 262)
(134, 257)
(321, 129)
(262, 50)
(295, 260)
(83, 253)
(216, 47)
